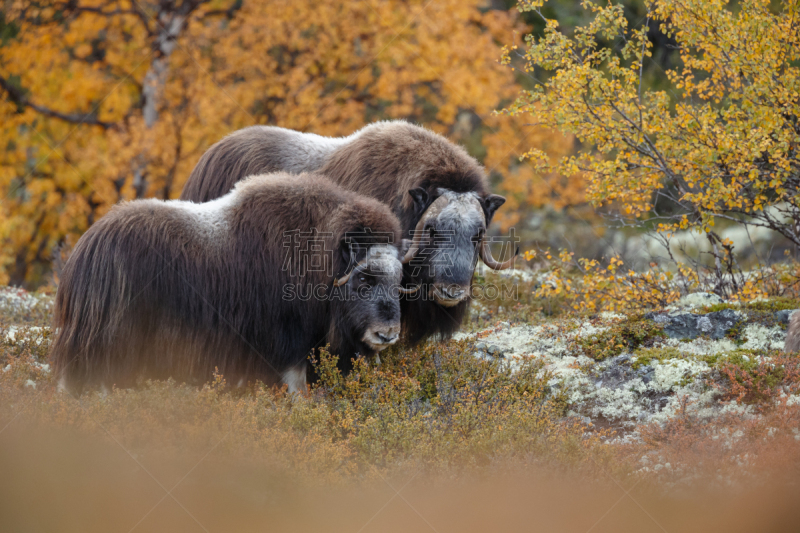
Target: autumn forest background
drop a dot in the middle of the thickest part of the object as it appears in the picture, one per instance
(105, 101)
(650, 154)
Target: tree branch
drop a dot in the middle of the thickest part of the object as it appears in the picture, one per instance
(228, 13)
(16, 95)
(72, 6)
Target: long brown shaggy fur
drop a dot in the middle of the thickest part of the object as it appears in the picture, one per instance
(793, 334)
(383, 160)
(169, 289)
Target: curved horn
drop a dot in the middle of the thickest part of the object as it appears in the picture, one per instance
(433, 211)
(344, 279)
(403, 290)
(414, 248)
(489, 261)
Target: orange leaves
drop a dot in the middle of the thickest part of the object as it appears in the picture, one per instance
(322, 66)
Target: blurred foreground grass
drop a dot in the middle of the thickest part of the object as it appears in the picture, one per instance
(467, 443)
(57, 480)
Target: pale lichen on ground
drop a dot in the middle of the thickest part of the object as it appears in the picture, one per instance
(31, 333)
(631, 389)
(14, 298)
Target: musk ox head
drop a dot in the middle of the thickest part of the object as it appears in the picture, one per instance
(368, 297)
(448, 240)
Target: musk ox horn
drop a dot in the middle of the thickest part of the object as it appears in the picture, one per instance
(432, 212)
(414, 248)
(491, 262)
(403, 290)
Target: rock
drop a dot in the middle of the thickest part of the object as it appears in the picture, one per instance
(698, 299)
(614, 377)
(646, 373)
(494, 351)
(783, 316)
(618, 373)
(690, 326)
(481, 346)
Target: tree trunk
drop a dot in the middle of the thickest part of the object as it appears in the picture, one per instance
(171, 21)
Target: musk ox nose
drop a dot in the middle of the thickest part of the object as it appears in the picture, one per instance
(455, 293)
(382, 336)
(387, 338)
(449, 295)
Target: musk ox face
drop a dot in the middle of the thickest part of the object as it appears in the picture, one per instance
(448, 241)
(369, 296)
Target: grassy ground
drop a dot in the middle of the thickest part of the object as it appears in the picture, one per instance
(446, 413)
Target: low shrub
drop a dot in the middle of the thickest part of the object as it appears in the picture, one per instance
(758, 377)
(437, 409)
(628, 335)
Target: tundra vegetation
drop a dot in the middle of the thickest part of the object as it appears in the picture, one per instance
(598, 392)
(659, 368)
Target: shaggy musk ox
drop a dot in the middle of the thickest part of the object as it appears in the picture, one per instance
(176, 289)
(439, 193)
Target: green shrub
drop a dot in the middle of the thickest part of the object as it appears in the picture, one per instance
(629, 335)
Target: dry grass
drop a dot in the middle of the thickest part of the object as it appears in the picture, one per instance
(57, 480)
(481, 447)
(733, 450)
(438, 410)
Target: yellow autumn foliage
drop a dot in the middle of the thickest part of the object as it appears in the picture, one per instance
(717, 141)
(104, 100)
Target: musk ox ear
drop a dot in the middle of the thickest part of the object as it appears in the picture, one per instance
(491, 204)
(420, 197)
(350, 251)
(346, 251)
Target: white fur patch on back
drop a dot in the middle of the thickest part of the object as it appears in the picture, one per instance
(211, 217)
(297, 152)
(306, 152)
(312, 150)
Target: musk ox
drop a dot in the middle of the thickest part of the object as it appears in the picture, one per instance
(176, 289)
(439, 193)
(793, 334)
